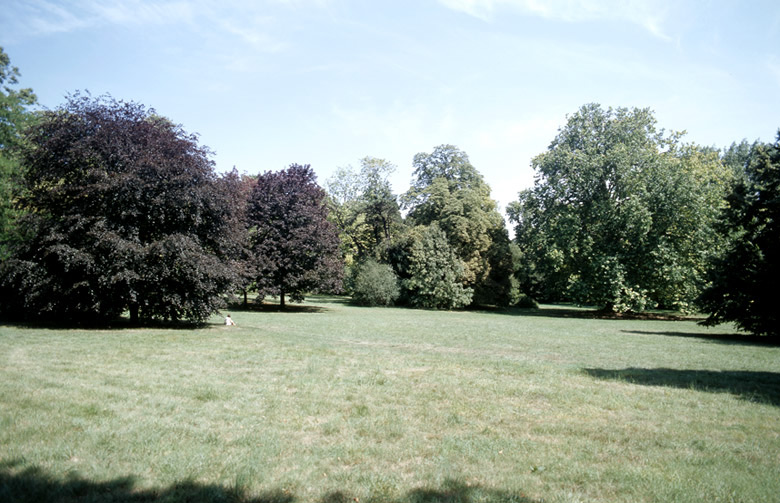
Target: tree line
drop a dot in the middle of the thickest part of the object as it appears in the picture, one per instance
(108, 208)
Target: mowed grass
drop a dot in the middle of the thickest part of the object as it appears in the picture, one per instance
(333, 403)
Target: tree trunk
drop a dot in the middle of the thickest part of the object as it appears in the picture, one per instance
(134, 313)
(281, 300)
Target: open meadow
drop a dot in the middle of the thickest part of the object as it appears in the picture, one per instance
(333, 403)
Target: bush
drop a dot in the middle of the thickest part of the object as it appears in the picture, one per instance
(526, 302)
(431, 274)
(375, 284)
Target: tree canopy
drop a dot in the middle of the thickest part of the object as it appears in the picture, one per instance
(364, 208)
(743, 278)
(621, 213)
(124, 212)
(15, 115)
(449, 191)
(294, 248)
(430, 272)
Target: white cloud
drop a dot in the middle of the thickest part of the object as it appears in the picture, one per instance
(39, 17)
(141, 12)
(44, 17)
(254, 33)
(648, 14)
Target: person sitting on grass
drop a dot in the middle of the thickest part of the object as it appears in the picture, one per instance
(229, 321)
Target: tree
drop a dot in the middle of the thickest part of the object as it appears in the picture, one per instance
(621, 214)
(379, 204)
(742, 279)
(449, 191)
(295, 249)
(430, 272)
(124, 212)
(15, 115)
(364, 208)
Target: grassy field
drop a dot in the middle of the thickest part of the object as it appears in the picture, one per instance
(332, 403)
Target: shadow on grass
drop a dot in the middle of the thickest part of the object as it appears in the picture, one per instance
(117, 324)
(265, 307)
(566, 311)
(34, 485)
(734, 338)
(760, 387)
(290, 307)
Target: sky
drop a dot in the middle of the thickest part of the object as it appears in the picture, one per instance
(268, 83)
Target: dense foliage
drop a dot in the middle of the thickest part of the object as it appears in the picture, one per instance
(431, 274)
(374, 284)
(125, 212)
(294, 247)
(450, 192)
(364, 208)
(743, 278)
(106, 207)
(621, 214)
(15, 115)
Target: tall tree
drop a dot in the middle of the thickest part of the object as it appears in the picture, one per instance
(15, 115)
(295, 248)
(430, 272)
(379, 204)
(449, 191)
(621, 214)
(241, 186)
(364, 208)
(125, 212)
(742, 279)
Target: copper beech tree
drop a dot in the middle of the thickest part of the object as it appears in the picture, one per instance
(124, 212)
(294, 248)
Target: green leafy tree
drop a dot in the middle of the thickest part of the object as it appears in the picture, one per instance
(364, 208)
(449, 191)
(124, 212)
(430, 272)
(295, 248)
(345, 212)
(621, 214)
(15, 115)
(743, 280)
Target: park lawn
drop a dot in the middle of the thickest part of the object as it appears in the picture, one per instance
(334, 403)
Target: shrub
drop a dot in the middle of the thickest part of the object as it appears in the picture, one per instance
(375, 284)
(526, 302)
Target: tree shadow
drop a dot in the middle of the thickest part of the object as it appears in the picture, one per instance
(759, 387)
(452, 491)
(265, 306)
(740, 339)
(118, 324)
(570, 311)
(34, 485)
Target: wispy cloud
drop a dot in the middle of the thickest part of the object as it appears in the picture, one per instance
(34, 18)
(142, 12)
(650, 15)
(253, 33)
(31, 18)
(39, 17)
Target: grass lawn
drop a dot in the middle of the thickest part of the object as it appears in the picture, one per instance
(332, 403)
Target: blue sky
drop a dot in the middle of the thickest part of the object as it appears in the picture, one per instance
(326, 82)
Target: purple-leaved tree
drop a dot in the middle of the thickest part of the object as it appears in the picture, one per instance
(123, 213)
(295, 249)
